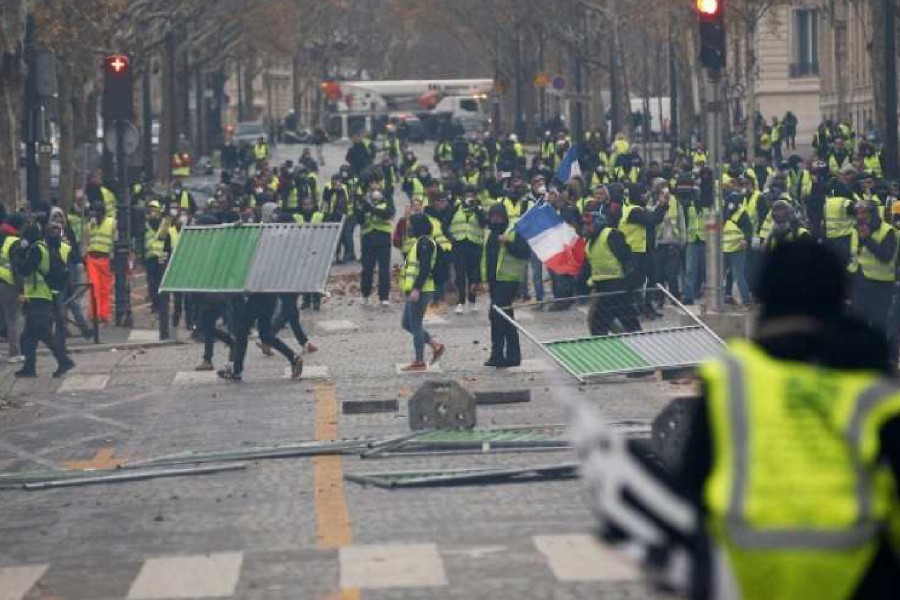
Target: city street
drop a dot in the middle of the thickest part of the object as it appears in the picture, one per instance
(293, 528)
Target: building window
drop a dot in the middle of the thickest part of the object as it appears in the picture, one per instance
(806, 43)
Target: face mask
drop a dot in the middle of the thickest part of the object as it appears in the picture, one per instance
(542, 190)
(173, 212)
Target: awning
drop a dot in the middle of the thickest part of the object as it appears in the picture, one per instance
(271, 258)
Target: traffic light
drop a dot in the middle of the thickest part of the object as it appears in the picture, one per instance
(118, 88)
(712, 33)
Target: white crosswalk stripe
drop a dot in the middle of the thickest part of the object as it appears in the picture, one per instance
(391, 566)
(84, 383)
(193, 576)
(581, 557)
(143, 335)
(194, 377)
(336, 326)
(15, 582)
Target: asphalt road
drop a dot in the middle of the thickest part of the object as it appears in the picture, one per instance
(293, 528)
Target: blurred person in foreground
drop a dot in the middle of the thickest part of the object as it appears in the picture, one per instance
(786, 488)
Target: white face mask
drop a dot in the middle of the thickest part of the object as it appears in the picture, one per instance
(542, 190)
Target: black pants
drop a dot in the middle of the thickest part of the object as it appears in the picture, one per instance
(256, 309)
(668, 269)
(184, 303)
(312, 300)
(39, 328)
(504, 336)
(640, 277)
(842, 247)
(210, 312)
(345, 250)
(467, 260)
(563, 287)
(291, 316)
(154, 278)
(372, 256)
(872, 301)
(607, 309)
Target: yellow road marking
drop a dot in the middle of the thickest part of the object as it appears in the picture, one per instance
(102, 460)
(333, 526)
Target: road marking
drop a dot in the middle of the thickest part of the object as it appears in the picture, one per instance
(15, 582)
(195, 576)
(532, 365)
(310, 372)
(337, 326)
(476, 553)
(524, 316)
(84, 383)
(333, 526)
(22, 454)
(143, 335)
(194, 377)
(434, 320)
(398, 367)
(582, 558)
(103, 459)
(392, 566)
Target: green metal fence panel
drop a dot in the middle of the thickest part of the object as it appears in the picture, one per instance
(212, 259)
(594, 355)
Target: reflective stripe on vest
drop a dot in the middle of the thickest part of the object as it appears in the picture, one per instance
(697, 224)
(797, 492)
(464, 226)
(732, 235)
(437, 234)
(411, 268)
(376, 223)
(153, 246)
(102, 236)
(317, 217)
(36, 287)
(6, 274)
(604, 264)
(509, 267)
(872, 268)
(838, 223)
(635, 235)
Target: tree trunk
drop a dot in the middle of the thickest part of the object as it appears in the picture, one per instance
(750, 48)
(66, 133)
(876, 49)
(840, 81)
(11, 39)
(249, 74)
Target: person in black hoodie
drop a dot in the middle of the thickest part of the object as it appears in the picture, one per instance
(503, 262)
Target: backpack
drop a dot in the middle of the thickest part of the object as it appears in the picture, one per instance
(57, 277)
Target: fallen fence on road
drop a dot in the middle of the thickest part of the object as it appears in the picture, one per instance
(457, 477)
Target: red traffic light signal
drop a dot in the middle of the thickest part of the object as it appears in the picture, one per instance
(117, 64)
(708, 8)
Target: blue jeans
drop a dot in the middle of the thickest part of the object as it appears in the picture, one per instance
(413, 315)
(537, 278)
(695, 261)
(737, 263)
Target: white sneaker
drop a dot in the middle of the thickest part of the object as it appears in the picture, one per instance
(459, 309)
(14, 360)
(385, 303)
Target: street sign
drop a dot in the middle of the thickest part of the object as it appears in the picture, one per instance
(541, 80)
(559, 83)
(131, 137)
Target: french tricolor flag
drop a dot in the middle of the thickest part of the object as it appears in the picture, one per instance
(554, 242)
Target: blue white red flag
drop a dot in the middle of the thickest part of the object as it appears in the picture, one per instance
(569, 167)
(554, 242)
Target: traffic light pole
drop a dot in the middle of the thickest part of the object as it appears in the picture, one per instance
(715, 259)
(123, 231)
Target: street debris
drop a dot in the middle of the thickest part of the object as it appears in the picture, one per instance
(299, 450)
(121, 476)
(502, 397)
(364, 407)
(457, 477)
(441, 405)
